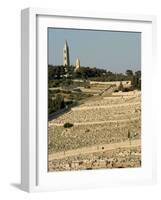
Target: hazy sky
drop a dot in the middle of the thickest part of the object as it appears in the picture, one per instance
(110, 50)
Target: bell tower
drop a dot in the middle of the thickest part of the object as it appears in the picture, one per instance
(66, 61)
(77, 65)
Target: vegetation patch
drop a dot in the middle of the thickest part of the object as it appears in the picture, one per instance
(68, 125)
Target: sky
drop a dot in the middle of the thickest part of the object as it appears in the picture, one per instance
(111, 50)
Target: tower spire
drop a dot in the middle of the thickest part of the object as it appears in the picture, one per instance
(77, 65)
(66, 61)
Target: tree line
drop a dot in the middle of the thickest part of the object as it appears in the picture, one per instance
(87, 73)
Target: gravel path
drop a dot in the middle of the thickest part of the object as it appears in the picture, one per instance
(94, 149)
(96, 122)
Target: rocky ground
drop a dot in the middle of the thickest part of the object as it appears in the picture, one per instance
(99, 121)
(118, 158)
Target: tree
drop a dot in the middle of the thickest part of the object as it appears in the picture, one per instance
(136, 83)
(59, 101)
(121, 86)
(138, 79)
(129, 134)
(55, 103)
(129, 72)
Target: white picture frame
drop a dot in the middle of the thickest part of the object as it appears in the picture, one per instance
(34, 176)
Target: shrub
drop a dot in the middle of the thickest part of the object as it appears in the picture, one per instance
(125, 90)
(87, 130)
(68, 125)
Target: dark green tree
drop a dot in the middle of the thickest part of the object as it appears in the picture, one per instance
(129, 73)
(120, 88)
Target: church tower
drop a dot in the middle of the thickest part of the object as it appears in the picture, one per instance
(77, 65)
(66, 61)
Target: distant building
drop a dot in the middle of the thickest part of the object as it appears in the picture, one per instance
(66, 60)
(77, 65)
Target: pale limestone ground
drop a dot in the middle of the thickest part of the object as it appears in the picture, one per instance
(103, 121)
(94, 149)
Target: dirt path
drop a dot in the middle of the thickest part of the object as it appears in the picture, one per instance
(94, 149)
(96, 122)
(105, 106)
